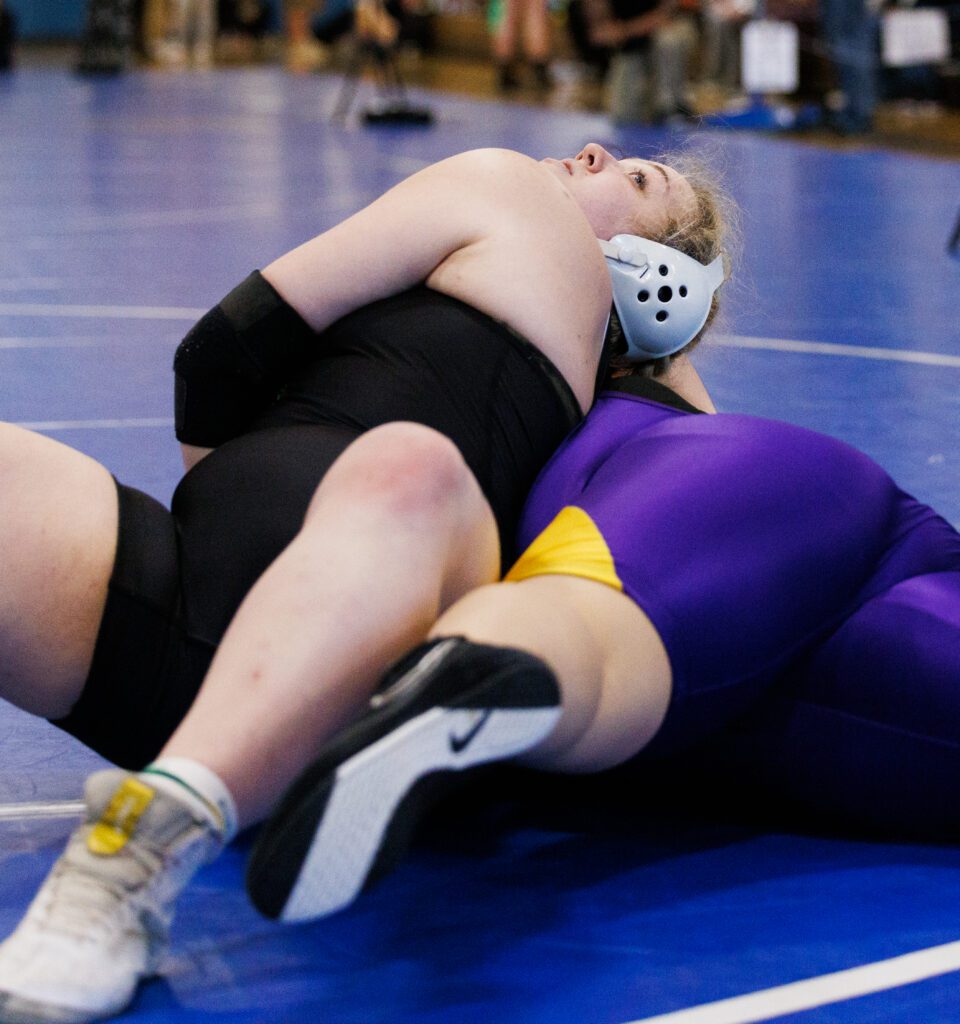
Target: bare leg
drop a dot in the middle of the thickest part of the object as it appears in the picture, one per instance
(456, 705)
(58, 510)
(612, 668)
(536, 31)
(204, 31)
(397, 531)
(302, 50)
(506, 33)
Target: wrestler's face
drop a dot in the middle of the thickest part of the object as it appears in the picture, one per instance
(631, 196)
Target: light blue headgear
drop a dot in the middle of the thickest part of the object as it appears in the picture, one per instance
(661, 295)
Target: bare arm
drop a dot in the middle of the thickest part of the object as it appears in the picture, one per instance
(475, 226)
(392, 244)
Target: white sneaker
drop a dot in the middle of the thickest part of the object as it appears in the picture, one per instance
(100, 921)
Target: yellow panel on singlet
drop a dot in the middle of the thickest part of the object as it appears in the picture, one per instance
(571, 545)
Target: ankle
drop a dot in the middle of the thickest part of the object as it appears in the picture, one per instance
(200, 788)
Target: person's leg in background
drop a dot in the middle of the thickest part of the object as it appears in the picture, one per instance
(302, 53)
(520, 25)
(204, 34)
(850, 32)
(593, 58)
(106, 46)
(172, 49)
(629, 87)
(504, 18)
(537, 45)
(673, 46)
(8, 37)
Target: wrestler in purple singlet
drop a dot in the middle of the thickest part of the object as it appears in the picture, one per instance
(785, 573)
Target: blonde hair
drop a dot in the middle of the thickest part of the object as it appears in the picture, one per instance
(710, 230)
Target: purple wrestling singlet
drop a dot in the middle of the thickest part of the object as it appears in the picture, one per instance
(771, 559)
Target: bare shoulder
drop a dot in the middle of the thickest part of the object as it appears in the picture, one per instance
(505, 178)
(533, 261)
(491, 160)
(473, 196)
(479, 166)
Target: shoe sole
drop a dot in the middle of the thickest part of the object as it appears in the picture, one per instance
(349, 826)
(16, 1009)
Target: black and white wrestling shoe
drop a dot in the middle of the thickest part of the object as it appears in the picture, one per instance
(449, 705)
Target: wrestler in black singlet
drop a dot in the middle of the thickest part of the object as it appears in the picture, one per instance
(419, 356)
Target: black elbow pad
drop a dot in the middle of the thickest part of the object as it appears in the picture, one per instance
(231, 364)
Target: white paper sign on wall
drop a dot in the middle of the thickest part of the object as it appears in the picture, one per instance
(770, 56)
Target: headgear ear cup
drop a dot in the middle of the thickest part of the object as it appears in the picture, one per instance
(662, 296)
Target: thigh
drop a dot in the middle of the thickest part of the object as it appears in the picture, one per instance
(58, 510)
(179, 579)
(146, 669)
(239, 508)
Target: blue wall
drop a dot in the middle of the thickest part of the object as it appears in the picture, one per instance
(52, 19)
(48, 19)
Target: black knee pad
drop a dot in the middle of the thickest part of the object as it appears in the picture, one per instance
(231, 364)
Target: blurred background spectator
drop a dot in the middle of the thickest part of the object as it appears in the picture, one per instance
(385, 24)
(301, 50)
(109, 32)
(594, 59)
(521, 28)
(8, 36)
(647, 61)
(850, 36)
(722, 22)
(651, 44)
(245, 26)
(183, 31)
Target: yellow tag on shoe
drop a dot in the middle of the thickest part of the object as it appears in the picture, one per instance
(116, 825)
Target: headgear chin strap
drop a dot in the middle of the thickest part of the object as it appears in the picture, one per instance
(662, 296)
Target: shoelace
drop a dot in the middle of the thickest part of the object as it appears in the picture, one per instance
(83, 904)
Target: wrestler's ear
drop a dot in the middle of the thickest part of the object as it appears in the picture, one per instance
(662, 296)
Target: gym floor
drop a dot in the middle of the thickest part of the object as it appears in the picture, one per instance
(131, 205)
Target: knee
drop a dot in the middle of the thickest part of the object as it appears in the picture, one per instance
(404, 470)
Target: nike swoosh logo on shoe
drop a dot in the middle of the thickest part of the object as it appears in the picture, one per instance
(460, 743)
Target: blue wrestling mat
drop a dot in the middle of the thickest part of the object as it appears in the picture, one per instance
(130, 205)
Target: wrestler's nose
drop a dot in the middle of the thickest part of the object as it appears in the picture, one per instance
(593, 156)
